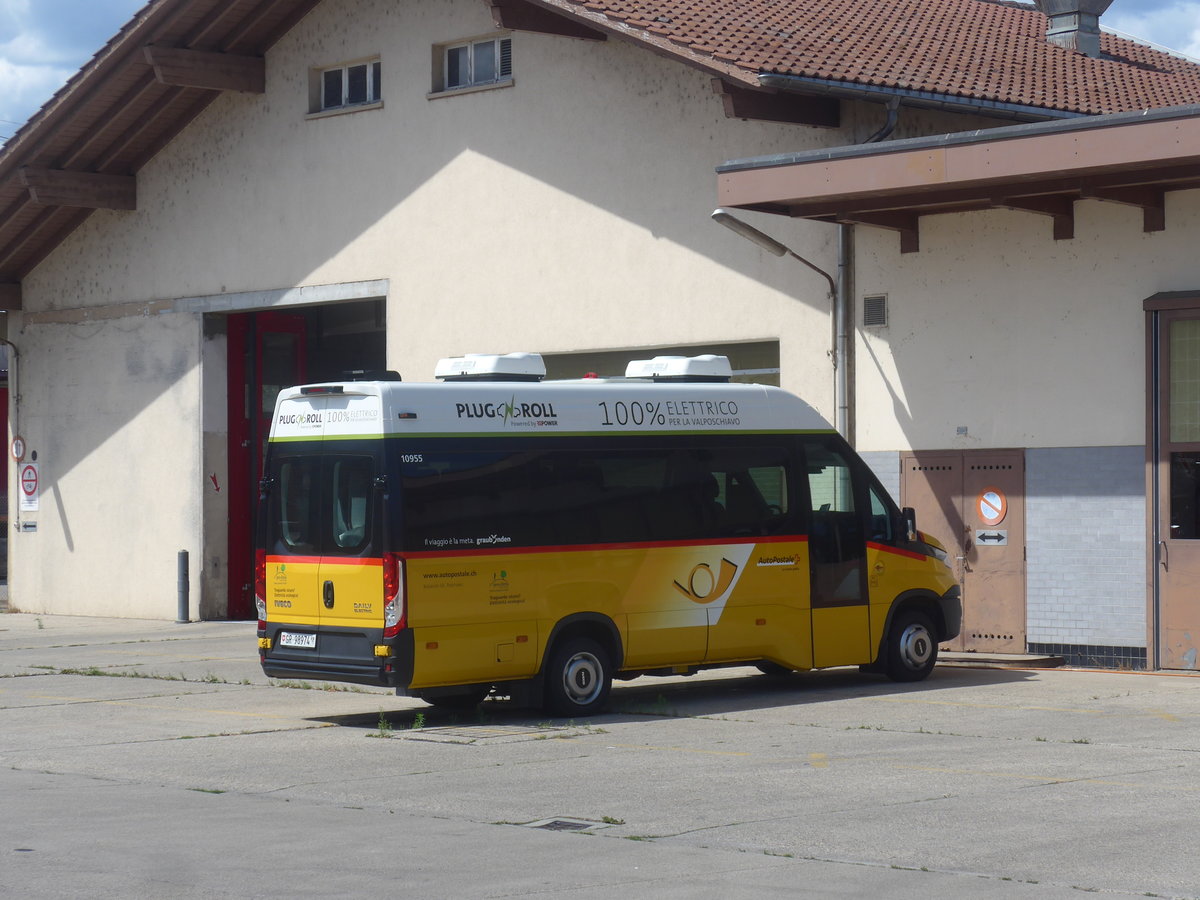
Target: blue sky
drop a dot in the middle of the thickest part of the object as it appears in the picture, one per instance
(44, 42)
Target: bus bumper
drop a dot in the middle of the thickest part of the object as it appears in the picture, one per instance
(951, 607)
(354, 661)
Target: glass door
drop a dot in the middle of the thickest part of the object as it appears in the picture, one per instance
(1176, 486)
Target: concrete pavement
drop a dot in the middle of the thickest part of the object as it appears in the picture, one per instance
(143, 759)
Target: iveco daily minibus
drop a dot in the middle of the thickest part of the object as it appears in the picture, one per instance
(494, 532)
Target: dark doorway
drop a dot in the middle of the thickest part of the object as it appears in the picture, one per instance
(269, 351)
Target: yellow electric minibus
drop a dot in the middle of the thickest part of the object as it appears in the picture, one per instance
(494, 532)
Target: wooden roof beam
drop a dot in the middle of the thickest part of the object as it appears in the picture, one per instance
(522, 16)
(1151, 200)
(177, 67)
(89, 190)
(793, 109)
(10, 295)
(907, 224)
(1060, 209)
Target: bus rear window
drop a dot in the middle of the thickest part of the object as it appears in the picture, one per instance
(350, 484)
(298, 525)
(322, 504)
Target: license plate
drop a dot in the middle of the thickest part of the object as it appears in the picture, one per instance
(295, 639)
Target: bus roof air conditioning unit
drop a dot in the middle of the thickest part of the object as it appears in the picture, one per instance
(491, 367)
(706, 368)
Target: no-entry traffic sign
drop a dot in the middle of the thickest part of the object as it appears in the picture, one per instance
(992, 506)
(29, 487)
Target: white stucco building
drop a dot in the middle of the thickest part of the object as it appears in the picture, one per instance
(233, 197)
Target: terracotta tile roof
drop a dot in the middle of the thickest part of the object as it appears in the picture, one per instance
(979, 49)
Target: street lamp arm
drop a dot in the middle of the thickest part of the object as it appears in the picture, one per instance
(768, 243)
(828, 278)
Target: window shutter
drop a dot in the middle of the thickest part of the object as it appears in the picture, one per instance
(505, 58)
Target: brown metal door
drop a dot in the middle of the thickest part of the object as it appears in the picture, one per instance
(1177, 474)
(994, 544)
(973, 502)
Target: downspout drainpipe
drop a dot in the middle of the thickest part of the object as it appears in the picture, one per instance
(843, 311)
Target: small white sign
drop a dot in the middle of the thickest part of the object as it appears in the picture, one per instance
(29, 486)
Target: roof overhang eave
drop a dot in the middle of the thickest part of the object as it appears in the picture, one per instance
(848, 90)
(946, 172)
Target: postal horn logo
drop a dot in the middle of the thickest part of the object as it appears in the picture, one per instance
(705, 586)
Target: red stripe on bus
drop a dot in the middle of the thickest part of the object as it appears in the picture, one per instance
(907, 554)
(578, 548)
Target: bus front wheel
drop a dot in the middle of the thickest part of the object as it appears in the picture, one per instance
(911, 647)
(578, 678)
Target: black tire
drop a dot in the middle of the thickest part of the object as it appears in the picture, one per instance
(578, 678)
(911, 647)
(468, 699)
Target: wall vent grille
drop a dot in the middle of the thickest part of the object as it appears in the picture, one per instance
(875, 311)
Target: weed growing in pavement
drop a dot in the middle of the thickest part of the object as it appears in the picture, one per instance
(309, 686)
(609, 820)
(418, 721)
(97, 672)
(385, 727)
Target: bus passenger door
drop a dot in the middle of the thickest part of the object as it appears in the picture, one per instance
(837, 549)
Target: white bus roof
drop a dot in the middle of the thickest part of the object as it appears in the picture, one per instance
(589, 407)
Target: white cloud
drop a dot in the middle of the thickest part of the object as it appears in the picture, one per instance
(45, 42)
(1174, 23)
(25, 89)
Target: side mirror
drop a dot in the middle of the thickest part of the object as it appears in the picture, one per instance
(909, 517)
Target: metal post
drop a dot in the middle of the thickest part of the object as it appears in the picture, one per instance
(183, 587)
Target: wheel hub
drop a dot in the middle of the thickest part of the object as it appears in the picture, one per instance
(916, 646)
(581, 678)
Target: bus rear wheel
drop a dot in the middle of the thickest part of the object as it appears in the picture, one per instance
(911, 647)
(578, 678)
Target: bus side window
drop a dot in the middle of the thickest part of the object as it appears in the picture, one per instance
(836, 531)
(882, 522)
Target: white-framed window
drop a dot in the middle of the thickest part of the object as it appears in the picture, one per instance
(346, 86)
(474, 63)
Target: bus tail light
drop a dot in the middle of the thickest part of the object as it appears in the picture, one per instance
(260, 587)
(394, 605)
